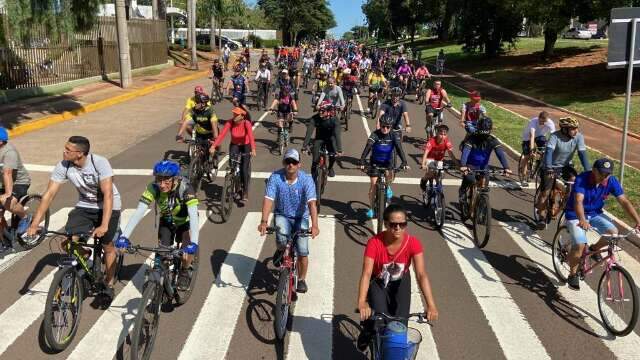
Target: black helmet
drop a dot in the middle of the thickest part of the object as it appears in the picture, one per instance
(386, 121)
(485, 125)
(202, 98)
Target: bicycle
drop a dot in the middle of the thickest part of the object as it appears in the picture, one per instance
(200, 162)
(438, 116)
(440, 66)
(30, 203)
(283, 133)
(321, 175)
(529, 171)
(380, 200)
(421, 91)
(433, 197)
(77, 277)
(374, 101)
(388, 342)
(232, 185)
(216, 90)
(612, 297)
(263, 92)
(556, 200)
(306, 77)
(287, 282)
(346, 112)
(160, 288)
(477, 206)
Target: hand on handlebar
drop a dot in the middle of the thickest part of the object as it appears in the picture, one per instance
(179, 138)
(262, 228)
(365, 311)
(507, 172)
(464, 169)
(431, 314)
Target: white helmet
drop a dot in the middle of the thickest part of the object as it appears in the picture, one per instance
(346, 71)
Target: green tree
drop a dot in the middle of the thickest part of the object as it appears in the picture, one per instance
(409, 14)
(379, 19)
(217, 14)
(299, 18)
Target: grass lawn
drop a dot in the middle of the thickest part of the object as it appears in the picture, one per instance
(508, 128)
(576, 78)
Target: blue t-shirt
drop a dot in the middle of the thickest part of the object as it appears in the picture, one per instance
(479, 148)
(594, 194)
(290, 200)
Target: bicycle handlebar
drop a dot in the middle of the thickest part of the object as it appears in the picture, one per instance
(274, 229)
(159, 249)
(421, 318)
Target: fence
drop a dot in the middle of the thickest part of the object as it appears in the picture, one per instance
(43, 61)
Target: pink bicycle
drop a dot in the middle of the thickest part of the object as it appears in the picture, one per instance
(617, 292)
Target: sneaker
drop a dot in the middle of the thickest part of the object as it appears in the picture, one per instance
(108, 293)
(363, 340)
(277, 258)
(184, 279)
(423, 184)
(573, 282)
(24, 223)
(370, 214)
(541, 225)
(332, 173)
(524, 184)
(596, 257)
(389, 192)
(302, 287)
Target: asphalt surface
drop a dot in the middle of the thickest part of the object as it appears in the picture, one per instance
(499, 302)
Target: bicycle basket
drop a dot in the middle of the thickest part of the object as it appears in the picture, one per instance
(400, 342)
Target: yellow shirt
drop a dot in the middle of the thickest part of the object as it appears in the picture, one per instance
(374, 79)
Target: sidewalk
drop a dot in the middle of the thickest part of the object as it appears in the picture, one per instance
(597, 136)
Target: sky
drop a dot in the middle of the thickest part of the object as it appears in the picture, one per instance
(348, 13)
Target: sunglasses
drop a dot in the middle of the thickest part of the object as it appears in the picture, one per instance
(385, 127)
(291, 162)
(397, 225)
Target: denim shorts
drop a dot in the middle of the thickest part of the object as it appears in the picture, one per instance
(287, 227)
(599, 222)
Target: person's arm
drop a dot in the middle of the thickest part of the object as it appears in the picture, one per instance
(185, 124)
(502, 157)
(579, 209)
(7, 178)
(274, 104)
(322, 96)
(311, 203)
(629, 209)
(363, 288)
(106, 186)
(400, 151)
(367, 150)
(213, 119)
(267, 204)
(548, 153)
(427, 148)
(294, 105)
(407, 122)
(425, 286)
(466, 151)
(584, 160)
(445, 97)
(311, 126)
(380, 115)
(194, 221)
(137, 216)
(251, 136)
(532, 136)
(52, 189)
(225, 129)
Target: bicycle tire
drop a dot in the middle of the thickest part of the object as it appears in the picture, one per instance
(76, 311)
(521, 175)
(182, 296)
(281, 141)
(119, 264)
(144, 329)
(440, 215)
(482, 221)
(631, 289)
(560, 248)
(226, 201)
(381, 205)
(465, 207)
(347, 115)
(195, 171)
(536, 217)
(317, 181)
(282, 304)
(30, 204)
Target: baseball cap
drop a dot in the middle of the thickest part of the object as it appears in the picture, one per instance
(474, 94)
(199, 89)
(239, 111)
(603, 165)
(292, 154)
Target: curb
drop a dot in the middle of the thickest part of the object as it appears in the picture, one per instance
(68, 115)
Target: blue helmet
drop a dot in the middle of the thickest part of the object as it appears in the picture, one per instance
(4, 134)
(166, 168)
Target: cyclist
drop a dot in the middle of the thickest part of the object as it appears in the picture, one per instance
(295, 78)
(332, 92)
(561, 147)
(319, 86)
(534, 135)
(349, 85)
(434, 152)
(242, 142)
(326, 65)
(226, 53)
(285, 106)
(191, 102)
(435, 98)
(307, 64)
(247, 56)
(584, 210)
(476, 154)
(404, 73)
(216, 74)
(284, 80)
(14, 184)
(202, 119)
(178, 206)
(382, 144)
(239, 84)
(385, 282)
(471, 112)
(396, 109)
(422, 75)
(440, 60)
(293, 193)
(328, 129)
(263, 79)
(377, 83)
(98, 207)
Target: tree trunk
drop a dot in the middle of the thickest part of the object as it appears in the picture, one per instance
(123, 44)
(212, 32)
(220, 34)
(194, 54)
(154, 9)
(189, 22)
(550, 37)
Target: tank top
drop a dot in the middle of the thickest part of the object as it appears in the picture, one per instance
(435, 100)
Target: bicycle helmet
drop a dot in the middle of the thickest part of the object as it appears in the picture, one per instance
(386, 121)
(4, 134)
(442, 126)
(326, 105)
(396, 91)
(484, 126)
(166, 168)
(569, 122)
(202, 98)
(198, 89)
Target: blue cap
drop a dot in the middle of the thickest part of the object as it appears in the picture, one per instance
(292, 154)
(603, 165)
(4, 134)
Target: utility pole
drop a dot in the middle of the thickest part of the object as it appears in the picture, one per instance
(154, 9)
(123, 44)
(189, 22)
(194, 42)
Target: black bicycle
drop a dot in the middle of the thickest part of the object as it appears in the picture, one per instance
(201, 164)
(30, 203)
(321, 176)
(529, 171)
(405, 347)
(306, 77)
(346, 112)
(380, 199)
(555, 201)
(161, 287)
(77, 277)
(433, 198)
(263, 92)
(232, 185)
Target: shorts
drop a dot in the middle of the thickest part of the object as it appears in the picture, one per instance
(168, 232)
(287, 227)
(433, 164)
(19, 190)
(433, 111)
(84, 220)
(373, 173)
(540, 141)
(579, 235)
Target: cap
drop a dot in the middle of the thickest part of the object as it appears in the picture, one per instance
(285, 71)
(199, 89)
(239, 111)
(292, 154)
(474, 95)
(603, 165)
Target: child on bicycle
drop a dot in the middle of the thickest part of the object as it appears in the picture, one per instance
(434, 152)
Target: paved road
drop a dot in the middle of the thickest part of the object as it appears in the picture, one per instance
(501, 302)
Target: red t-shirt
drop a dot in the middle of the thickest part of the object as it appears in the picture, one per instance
(382, 259)
(241, 133)
(437, 151)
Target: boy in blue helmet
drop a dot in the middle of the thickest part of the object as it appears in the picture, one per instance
(178, 206)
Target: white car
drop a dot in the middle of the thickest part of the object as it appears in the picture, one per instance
(574, 33)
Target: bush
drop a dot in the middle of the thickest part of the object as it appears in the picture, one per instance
(256, 40)
(271, 43)
(206, 48)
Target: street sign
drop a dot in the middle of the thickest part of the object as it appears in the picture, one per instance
(619, 37)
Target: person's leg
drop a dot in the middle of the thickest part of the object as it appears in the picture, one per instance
(282, 235)
(302, 249)
(548, 181)
(315, 156)
(378, 299)
(245, 171)
(372, 192)
(467, 180)
(603, 226)
(107, 245)
(526, 151)
(579, 237)
(400, 296)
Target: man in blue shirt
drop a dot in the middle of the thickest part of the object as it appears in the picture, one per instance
(294, 195)
(584, 210)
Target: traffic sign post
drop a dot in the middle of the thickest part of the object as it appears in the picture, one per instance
(622, 45)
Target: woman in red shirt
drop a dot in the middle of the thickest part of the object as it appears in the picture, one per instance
(385, 283)
(242, 142)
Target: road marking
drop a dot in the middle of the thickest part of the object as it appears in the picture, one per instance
(511, 328)
(56, 221)
(364, 118)
(111, 329)
(311, 336)
(220, 311)
(22, 313)
(584, 301)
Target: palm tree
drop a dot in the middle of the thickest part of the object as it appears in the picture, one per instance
(220, 11)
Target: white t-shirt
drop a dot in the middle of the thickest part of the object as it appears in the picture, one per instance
(540, 130)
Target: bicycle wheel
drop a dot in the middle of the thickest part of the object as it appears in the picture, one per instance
(522, 176)
(30, 204)
(618, 301)
(536, 216)
(195, 170)
(318, 182)
(465, 208)
(282, 303)
(281, 141)
(381, 205)
(145, 327)
(63, 309)
(439, 210)
(560, 248)
(482, 221)
(347, 115)
(182, 296)
(226, 201)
